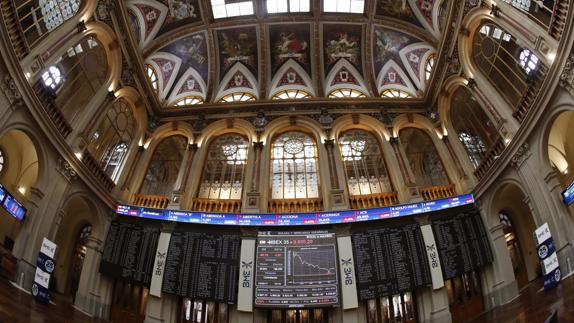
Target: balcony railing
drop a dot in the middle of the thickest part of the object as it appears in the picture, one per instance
(559, 16)
(47, 101)
(295, 205)
(489, 158)
(373, 200)
(224, 206)
(528, 97)
(13, 28)
(432, 193)
(151, 201)
(94, 167)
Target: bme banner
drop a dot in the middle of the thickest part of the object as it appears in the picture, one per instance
(45, 266)
(548, 257)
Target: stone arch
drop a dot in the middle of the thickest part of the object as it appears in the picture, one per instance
(78, 210)
(555, 145)
(510, 198)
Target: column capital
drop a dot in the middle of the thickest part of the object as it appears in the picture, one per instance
(258, 145)
(329, 143)
(394, 140)
(192, 147)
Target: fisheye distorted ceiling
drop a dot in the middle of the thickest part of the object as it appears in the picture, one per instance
(196, 59)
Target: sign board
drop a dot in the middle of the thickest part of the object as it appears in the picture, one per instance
(548, 257)
(44, 269)
(433, 258)
(347, 271)
(159, 264)
(246, 270)
(568, 194)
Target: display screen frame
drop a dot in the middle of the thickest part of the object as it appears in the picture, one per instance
(293, 234)
(11, 205)
(294, 219)
(568, 194)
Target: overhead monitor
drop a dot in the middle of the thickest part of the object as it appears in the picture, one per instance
(11, 205)
(296, 270)
(568, 194)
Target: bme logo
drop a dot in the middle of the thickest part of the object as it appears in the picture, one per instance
(246, 273)
(347, 270)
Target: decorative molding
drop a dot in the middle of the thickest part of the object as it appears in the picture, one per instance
(66, 169)
(567, 75)
(520, 156)
(11, 91)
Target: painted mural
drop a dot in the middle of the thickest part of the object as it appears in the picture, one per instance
(192, 50)
(237, 45)
(342, 42)
(387, 45)
(399, 9)
(290, 41)
(180, 12)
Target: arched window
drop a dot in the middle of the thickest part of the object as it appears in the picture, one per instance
(364, 164)
(395, 94)
(237, 97)
(164, 166)
(423, 158)
(52, 78)
(528, 61)
(189, 100)
(152, 76)
(2, 160)
(497, 55)
(294, 167)
(109, 143)
(291, 95)
(344, 6)
(429, 67)
(346, 93)
(474, 128)
(80, 73)
(38, 18)
(222, 176)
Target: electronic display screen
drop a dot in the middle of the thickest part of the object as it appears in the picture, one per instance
(291, 219)
(296, 270)
(11, 205)
(568, 194)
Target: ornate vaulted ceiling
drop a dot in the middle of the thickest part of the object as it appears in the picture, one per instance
(189, 54)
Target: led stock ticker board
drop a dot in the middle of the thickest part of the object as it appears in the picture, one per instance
(296, 269)
(295, 219)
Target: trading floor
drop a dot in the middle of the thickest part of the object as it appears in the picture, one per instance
(533, 305)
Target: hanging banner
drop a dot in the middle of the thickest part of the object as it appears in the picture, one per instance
(347, 270)
(44, 268)
(548, 256)
(432, 256)
(159, 264)
(247, 264)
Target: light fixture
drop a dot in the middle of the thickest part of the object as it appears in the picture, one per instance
(22, 190)
(78, 155)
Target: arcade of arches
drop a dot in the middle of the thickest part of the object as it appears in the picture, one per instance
(283, 106)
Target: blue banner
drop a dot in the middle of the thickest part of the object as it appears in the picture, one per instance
(546, 251)
(295, 219)
(40, 293)
(45, 263)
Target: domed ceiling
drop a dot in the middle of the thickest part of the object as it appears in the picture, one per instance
(382, 53)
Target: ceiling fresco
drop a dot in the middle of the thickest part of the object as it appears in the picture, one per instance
(276, 54)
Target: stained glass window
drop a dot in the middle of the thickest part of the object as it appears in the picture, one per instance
(528, 60)
(291, 95)
(190, 100)
(152, 76)
(395, 94)
(56, 12)
(428, 67)
(423, 158)
(2, 160)
(238, 97)
(294, 173)
(364, 164)
(474, 147)
(164, 166)
(345, 6)
(52, 78)
(346, 93)
(224, 168)
(231, 8)
(109, 143)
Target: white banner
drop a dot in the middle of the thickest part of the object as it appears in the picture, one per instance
(48, 248)
(550, 263)
(432, 256)
(246, 272)
(542, 234)
(159, 264)
(42, 278)
(347, 269)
